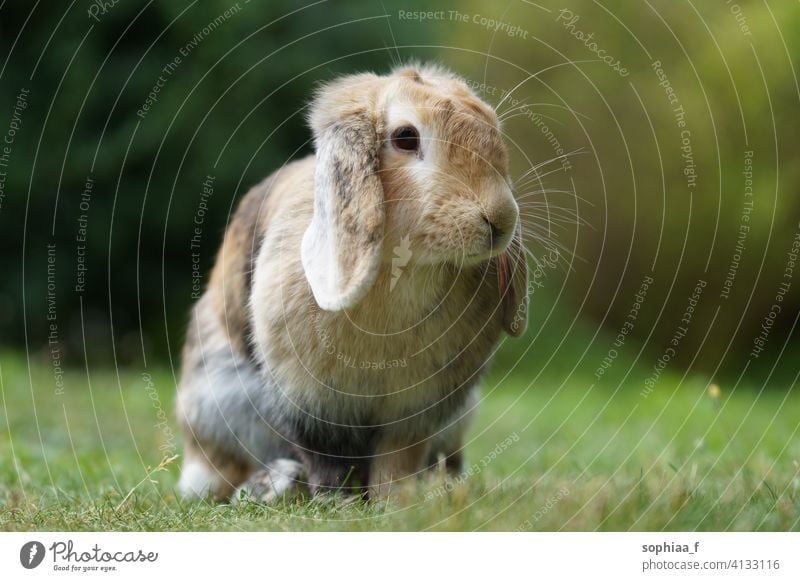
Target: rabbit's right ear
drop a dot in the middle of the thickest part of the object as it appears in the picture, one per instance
(342, 246)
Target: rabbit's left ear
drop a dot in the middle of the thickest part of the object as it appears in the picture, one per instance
(342, 246)
(512, 268)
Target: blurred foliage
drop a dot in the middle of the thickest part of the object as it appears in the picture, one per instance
(233, 108)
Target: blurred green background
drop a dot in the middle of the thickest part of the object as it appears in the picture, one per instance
(633, 196)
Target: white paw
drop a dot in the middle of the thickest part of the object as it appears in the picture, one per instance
(197, 480)
(281, 478)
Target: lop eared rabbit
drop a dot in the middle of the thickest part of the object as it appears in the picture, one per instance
(357, 298)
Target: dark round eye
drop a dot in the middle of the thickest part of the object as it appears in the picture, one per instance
(406, 138)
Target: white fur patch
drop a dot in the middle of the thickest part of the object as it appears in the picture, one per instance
(280, 477)
(197, 480)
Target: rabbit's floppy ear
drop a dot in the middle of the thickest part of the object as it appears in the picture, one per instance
(512, 270)
(342, 246)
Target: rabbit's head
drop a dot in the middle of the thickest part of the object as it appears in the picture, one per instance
(409, 165)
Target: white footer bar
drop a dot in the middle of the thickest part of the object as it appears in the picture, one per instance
(401, 556)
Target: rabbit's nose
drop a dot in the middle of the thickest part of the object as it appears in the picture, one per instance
(495, 233)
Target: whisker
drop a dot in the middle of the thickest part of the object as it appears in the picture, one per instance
(561, 251)
(555, 224)
(518, 109)
(549, 207)
(535, 167)
(544, 193)
(521, 113)
(539, 177)
(564, 265)
(561, 215)
(504, 114)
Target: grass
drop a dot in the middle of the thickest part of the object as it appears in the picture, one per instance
(542, 457)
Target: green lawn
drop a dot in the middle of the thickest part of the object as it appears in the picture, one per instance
(574, 458)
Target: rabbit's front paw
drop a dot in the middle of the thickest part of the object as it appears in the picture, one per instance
(281, 478)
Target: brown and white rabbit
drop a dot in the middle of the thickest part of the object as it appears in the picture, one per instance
(357, 298)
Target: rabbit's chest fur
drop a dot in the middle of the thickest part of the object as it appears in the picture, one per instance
(407, 355)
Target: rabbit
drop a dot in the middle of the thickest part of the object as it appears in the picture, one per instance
(357, 298)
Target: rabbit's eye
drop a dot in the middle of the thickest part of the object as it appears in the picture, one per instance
(406, 138)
